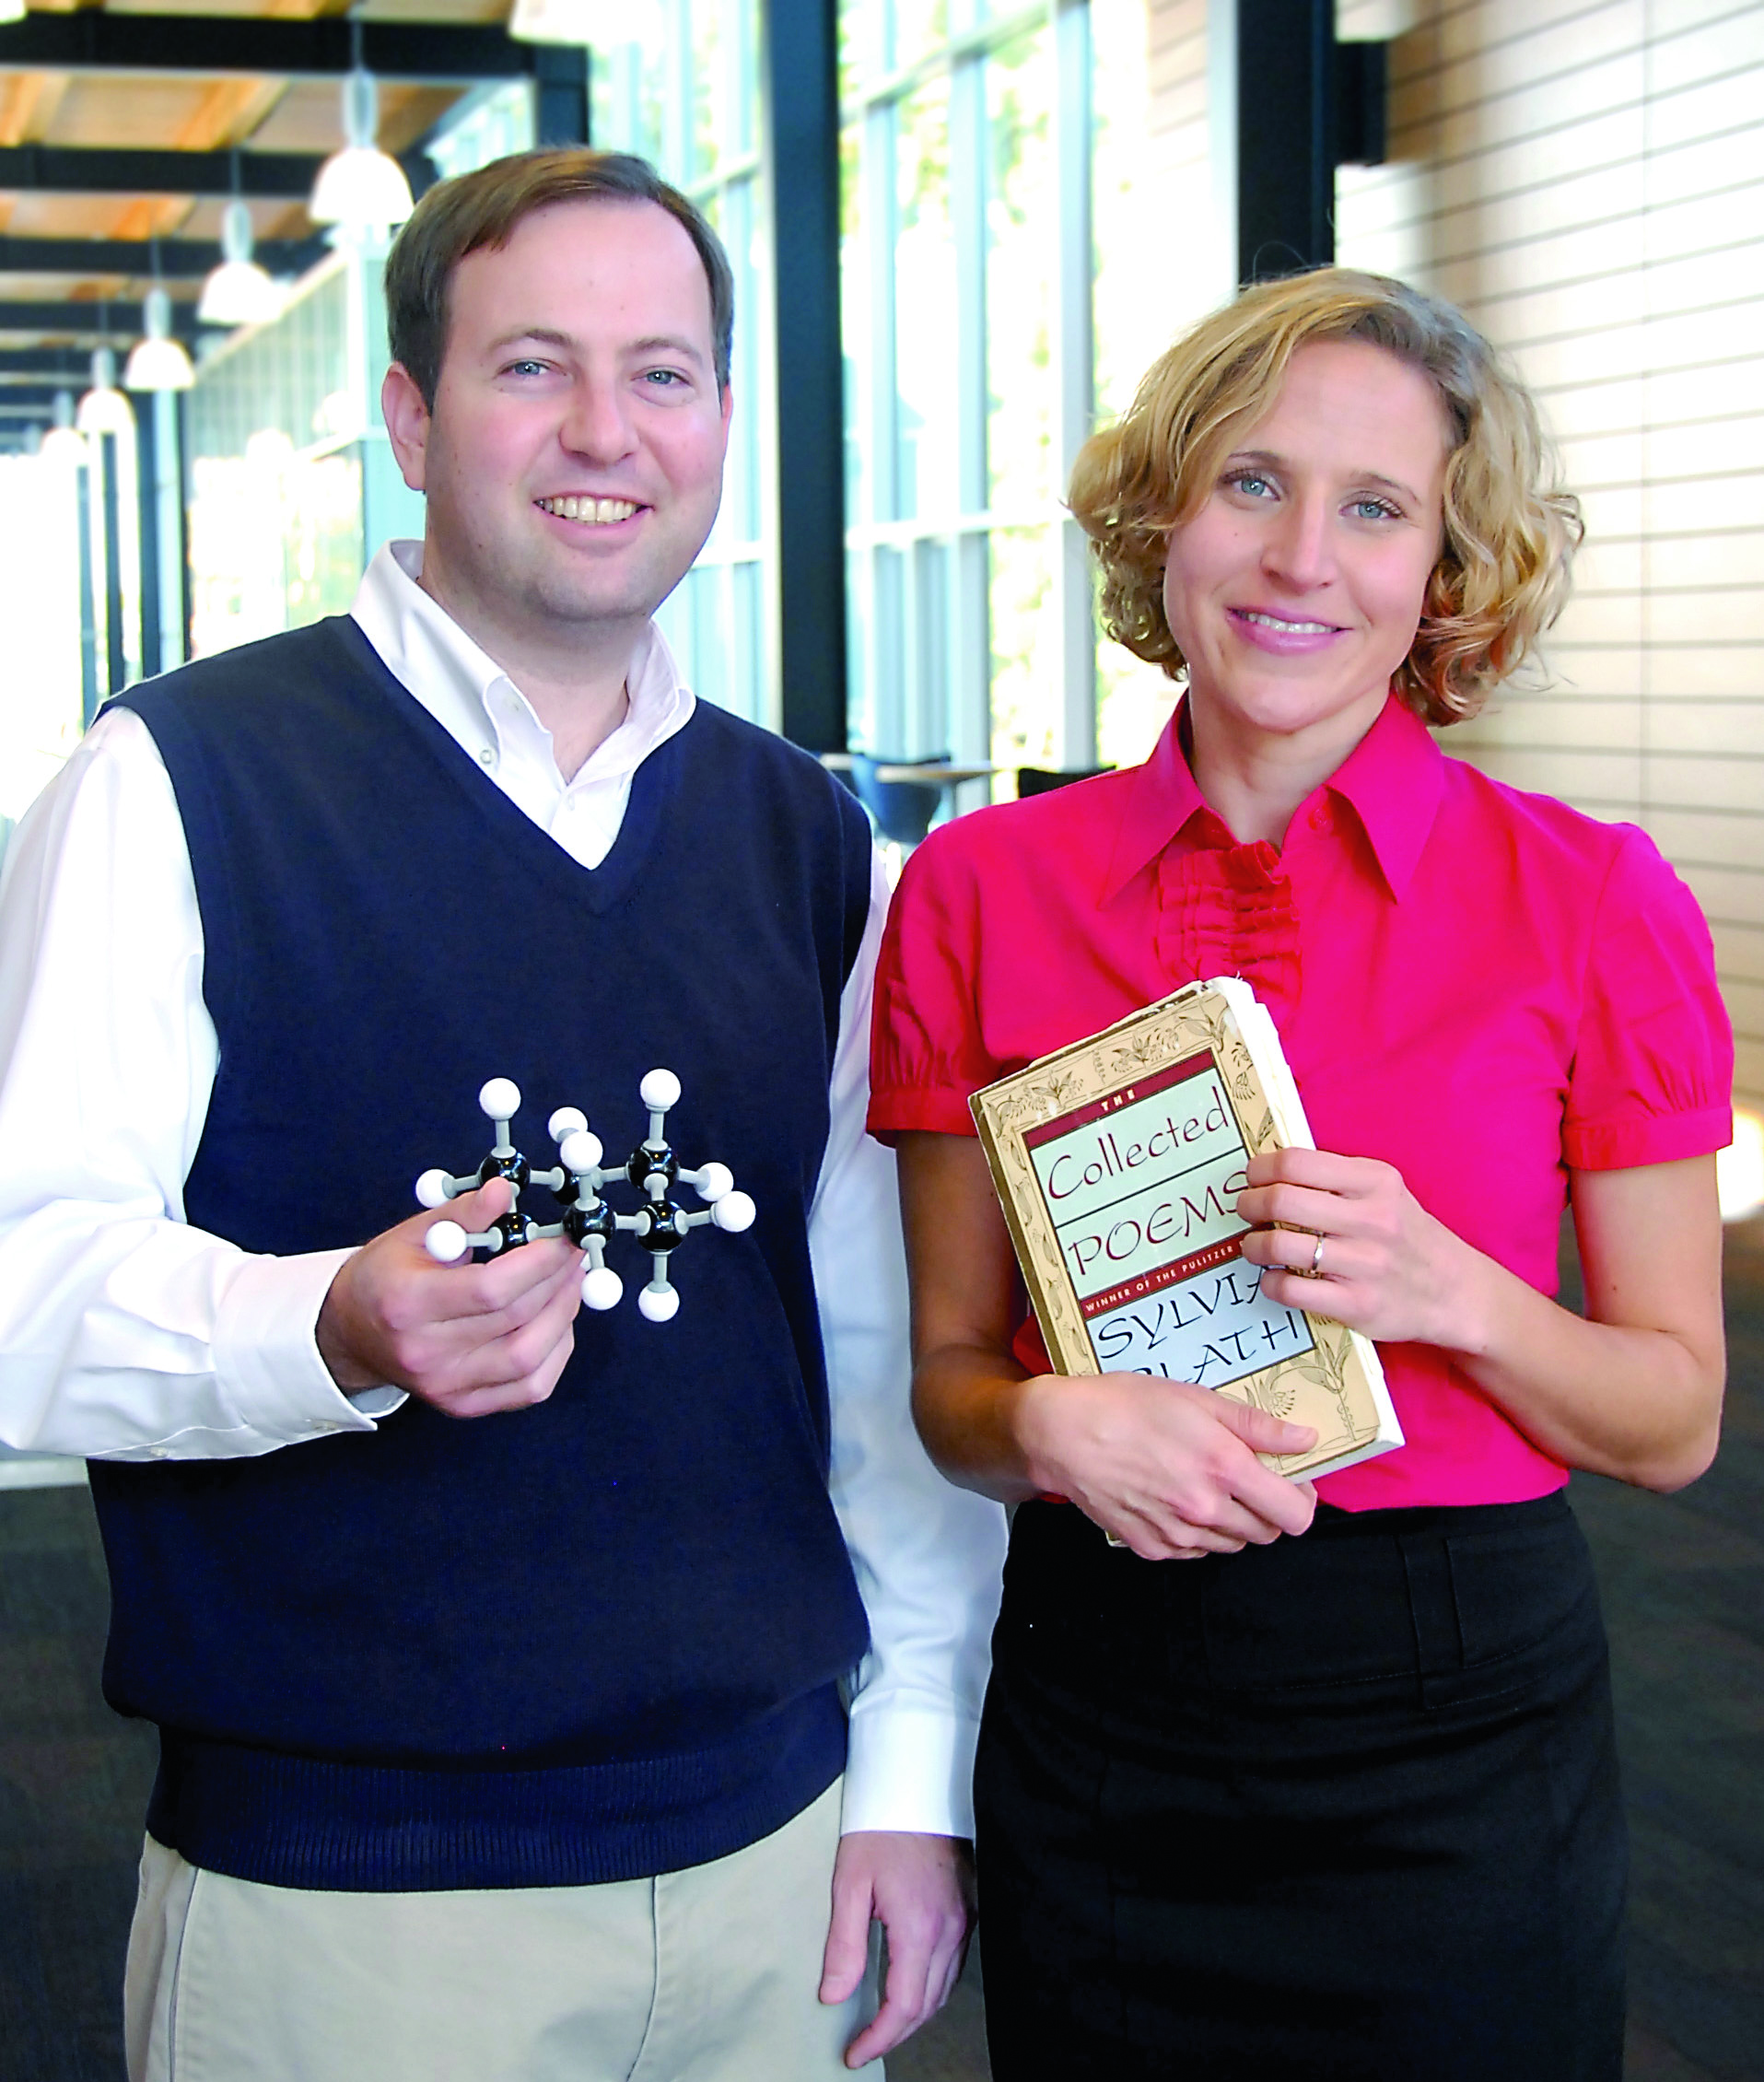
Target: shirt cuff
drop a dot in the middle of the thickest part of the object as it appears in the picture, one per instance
(1625, 1145)
(909, 1768)
(266, 1351)
(898, 1112)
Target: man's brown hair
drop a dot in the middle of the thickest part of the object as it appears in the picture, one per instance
(458, 216)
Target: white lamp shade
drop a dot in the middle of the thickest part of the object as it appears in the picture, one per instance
(105, 412)
(158, 365)
(63, 446)
(269, 450)
(104, 409)
(360, 185)
(239, 293)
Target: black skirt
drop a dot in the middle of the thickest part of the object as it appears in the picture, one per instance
(1343, 1808)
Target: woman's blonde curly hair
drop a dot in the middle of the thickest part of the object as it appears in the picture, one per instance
(1511, 533)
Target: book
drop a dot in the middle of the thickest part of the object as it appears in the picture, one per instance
(1117, 1161)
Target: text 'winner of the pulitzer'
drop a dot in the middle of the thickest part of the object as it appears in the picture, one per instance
(1142, 1188)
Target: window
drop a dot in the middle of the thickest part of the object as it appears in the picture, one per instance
(293, 483)
(967, 272)
(683, 92)
(277, 428)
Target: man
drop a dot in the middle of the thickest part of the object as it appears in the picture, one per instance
(514, 1745)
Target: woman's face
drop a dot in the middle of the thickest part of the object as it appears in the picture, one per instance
(1295, 591)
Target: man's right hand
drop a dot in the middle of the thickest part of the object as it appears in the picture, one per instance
(469, 1339)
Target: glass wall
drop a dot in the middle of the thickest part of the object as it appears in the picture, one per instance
(39, 602)
(293, 485)
(683, 92)
(275, 474)
(967, 272)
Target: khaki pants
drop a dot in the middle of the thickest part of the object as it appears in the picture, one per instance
(705, 1975)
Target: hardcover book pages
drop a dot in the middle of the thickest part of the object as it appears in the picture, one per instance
(1117, 1161)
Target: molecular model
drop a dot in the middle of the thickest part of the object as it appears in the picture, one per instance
(659, 1224)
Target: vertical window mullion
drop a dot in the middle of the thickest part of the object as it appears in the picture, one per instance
(676, 92)
(1074, 378)
(970, 638)
(882, 220)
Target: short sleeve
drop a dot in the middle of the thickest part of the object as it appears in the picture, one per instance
(1653, 1076)
(927, 1056)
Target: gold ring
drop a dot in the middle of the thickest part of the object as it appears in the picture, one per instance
(1317, 1258)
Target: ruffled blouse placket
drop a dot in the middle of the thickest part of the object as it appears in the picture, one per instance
(1230, 910)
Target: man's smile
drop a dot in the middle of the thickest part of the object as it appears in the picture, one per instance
(595, 512)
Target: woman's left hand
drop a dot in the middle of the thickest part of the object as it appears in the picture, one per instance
(1355, 1245)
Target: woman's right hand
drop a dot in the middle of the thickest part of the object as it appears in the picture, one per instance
(1167, 1468)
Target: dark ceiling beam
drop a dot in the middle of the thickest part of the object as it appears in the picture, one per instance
(441, 54)
(180, 259)
(75, 169)
(116, 320)
(55, 368)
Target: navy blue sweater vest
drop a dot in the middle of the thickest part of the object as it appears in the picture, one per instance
(597, 1639)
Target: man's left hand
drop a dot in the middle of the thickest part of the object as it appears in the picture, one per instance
(921, 1889)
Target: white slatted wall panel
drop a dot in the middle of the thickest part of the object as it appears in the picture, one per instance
(1587, 180)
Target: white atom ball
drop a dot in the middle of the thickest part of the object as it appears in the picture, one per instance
(714, 1181)
(445, 1241)
(500, 1098)
(602, 1288)
(567, 1121)
(431, 1188)
(660, 1091)
(580, 1150)
(659, 1305)
(734, 1211)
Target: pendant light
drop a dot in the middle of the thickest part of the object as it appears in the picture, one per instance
(61, 443)
(238, 292)
(158, 362)
(104, 409)
(360, 187)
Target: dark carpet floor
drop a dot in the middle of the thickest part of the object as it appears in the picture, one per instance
(1683, 1589)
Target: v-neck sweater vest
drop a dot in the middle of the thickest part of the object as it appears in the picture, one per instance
(597, 1639)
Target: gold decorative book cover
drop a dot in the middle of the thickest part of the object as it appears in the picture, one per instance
(1117, 1161)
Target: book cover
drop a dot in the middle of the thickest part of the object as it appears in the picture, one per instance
(1117, 1161)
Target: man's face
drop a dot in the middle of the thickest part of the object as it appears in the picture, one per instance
(573, 460)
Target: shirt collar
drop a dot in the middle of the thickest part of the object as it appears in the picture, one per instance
(1161, 798)
(459, 683)
(1393, 780)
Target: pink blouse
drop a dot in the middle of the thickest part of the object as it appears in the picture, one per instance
(1481, 987)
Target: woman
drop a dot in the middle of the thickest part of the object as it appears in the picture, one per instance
(1339, 1800)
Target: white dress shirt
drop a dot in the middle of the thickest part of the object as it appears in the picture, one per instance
(125, 1334)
